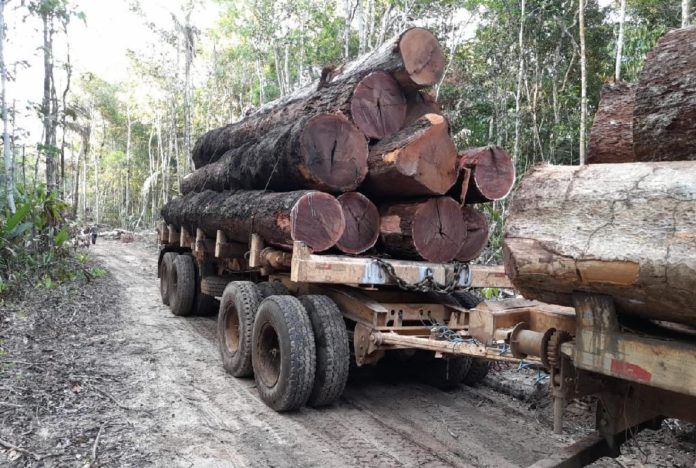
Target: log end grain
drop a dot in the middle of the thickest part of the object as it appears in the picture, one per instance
(334, 153)
(424, 61)
(476, 234)
(492, 173)
(378, 105)
(611, 137)
(362, 223)
(438, 229)
(317, 220)
(419, 103)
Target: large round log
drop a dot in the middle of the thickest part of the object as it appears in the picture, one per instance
(476, 234)
(362, 223)
(378, 106)
(432, 230)
(626, 230)
(414, 59)
(611, 137)
(418, 160)
(664, 116)
(325, 152)
(490, 175)
(315, 218)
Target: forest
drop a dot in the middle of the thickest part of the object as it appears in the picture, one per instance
(525, 75)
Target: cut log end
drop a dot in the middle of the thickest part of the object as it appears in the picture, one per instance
(317, 220)
(419, 103)
(424, 61)
(335, 153)
(378, 105)
(492, 173)
(438, 229)
(362, 223)
(476, 234)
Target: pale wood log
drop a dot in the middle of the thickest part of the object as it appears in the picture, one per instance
(626, 230)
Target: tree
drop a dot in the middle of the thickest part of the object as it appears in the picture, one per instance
(685, 13)
(520, 73)
(9, 164)
(583, 81)
(620, 41)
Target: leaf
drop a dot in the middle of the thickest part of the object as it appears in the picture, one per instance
(19, 230)
(61, 237)
(15, 219)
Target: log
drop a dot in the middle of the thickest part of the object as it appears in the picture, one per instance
(476, 234)
(315, 218)
(664, 116)
(492, 175)
(325, 152)
(418, 160)
(378, 105)
(419, 103)
(611, 136)
(625, 230)
(362, 223)
(414, 59)
(431, 230)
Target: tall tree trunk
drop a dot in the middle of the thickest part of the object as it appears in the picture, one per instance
(583, 82)
(620, 41)
(128, 159)
(685, 13)
(47, 104)
(188, 89)
(9, 166)
(518, 94)
(68, 70)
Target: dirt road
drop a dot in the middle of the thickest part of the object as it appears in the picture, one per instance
(202, 416)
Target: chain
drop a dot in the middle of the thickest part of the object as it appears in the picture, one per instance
(428, 283)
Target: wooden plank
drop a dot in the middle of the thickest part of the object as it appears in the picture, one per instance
(489, 276)
(203, 244)
(174, 236)
(224, 249)
(185, 239)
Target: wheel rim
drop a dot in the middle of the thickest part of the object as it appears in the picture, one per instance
(231, 328)
(268, 368)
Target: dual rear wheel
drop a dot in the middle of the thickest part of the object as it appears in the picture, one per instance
(180, 286)
(296, 348)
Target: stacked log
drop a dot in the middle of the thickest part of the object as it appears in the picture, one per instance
(361, 161)
(611, 136)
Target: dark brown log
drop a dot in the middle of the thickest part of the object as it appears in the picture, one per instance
(611, 137)
(378, 105)
(315, 218)
(325, 152)
(433, 229)
(414, 59)
(625, 230)
(362, 223)
(418, 160)
(461, 186)
(476, 234)
(492, 174)
(664, 116)
(419, 103)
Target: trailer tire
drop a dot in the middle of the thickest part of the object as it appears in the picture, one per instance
(447, 373)
(164, 267)
(272, 288)
(283, 353)
(214, 285)
(466, 299)
(182, 285)
(477, 371)
(235, 325)
(332, 349)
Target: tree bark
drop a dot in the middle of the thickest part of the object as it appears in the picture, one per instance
(619, 42)
(486, 174)
(625, 230)
(611, 136)
(520, 74)
(432, 230)
(324, 152)
(362, 223)
(476, 234)
(685, 7)
(418, 160)
(414, 59)
(664, 117)
(279, 218)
